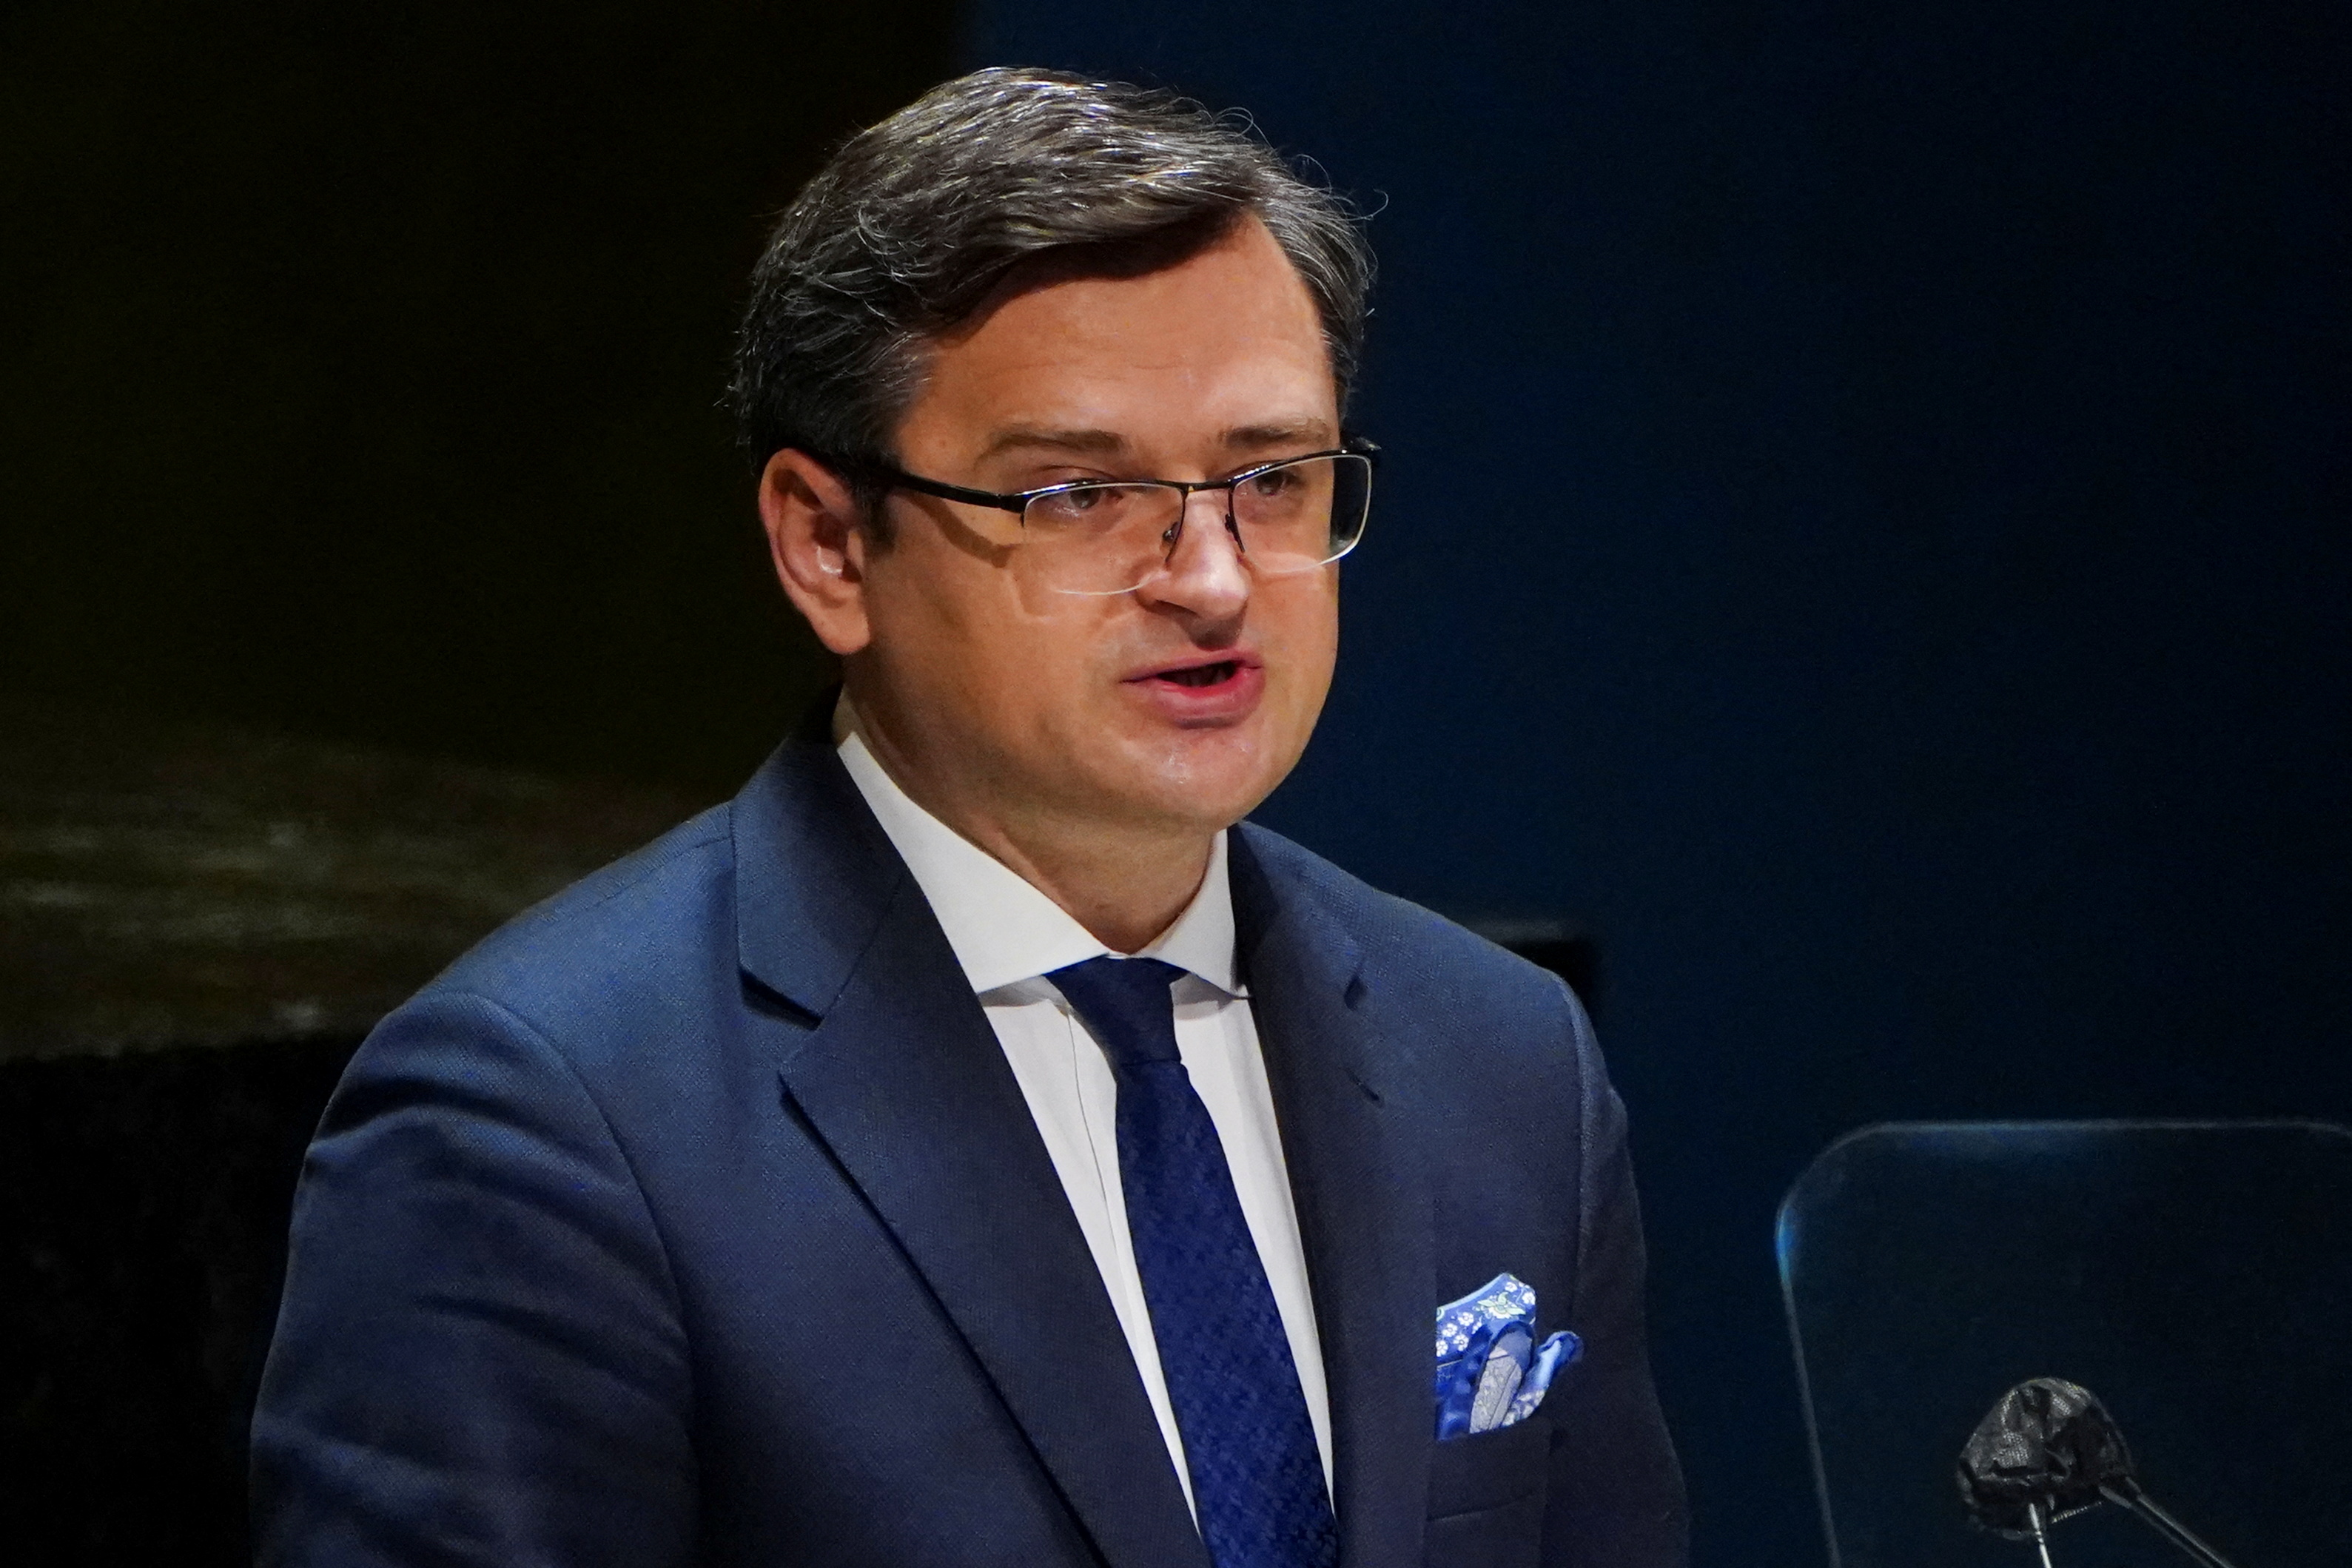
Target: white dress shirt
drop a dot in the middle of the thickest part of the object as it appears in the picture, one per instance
(1008, 936)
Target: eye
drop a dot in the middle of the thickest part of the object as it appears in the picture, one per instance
(1067, 504)
(1094, 507)
(1273, 482)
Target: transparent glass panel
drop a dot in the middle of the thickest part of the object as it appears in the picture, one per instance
(2196, 1277)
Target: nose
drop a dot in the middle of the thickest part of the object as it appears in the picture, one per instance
(1205, 576)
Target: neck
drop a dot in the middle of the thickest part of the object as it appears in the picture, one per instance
(1124, 883)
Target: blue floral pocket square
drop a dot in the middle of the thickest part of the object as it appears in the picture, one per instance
(1490, 1371)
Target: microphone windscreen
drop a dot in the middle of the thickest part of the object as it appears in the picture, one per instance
(2047, 1441)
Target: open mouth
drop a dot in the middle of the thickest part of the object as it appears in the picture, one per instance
(1203, 675)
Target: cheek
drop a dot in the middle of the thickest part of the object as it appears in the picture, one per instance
(935, 646)
(1309, 649)
(1016, 665)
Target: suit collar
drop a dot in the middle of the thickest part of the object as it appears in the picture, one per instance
(815, 873)
(898, 1075)
(1363, 1199)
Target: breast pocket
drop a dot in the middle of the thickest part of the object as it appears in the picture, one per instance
(1487, 1496)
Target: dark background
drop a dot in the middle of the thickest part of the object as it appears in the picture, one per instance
(1863, 531)
(363, 363)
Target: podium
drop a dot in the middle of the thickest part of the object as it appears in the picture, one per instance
(2196, 1276)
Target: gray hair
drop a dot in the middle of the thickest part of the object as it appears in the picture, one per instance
(910, 224)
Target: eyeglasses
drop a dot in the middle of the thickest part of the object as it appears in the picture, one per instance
(1112, 536)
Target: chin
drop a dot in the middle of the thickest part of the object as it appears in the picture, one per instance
(1211, 779)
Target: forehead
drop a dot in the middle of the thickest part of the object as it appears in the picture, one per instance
(1225, 337)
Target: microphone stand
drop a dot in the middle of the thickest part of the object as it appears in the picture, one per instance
(2137, 1503)
(2034, 1524)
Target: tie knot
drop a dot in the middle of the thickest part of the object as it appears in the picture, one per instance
(1126, 1006)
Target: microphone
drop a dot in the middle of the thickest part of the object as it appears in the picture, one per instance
(2047, 1450)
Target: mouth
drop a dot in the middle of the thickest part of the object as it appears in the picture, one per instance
(1205, 674)
(1211, 691)
(1214, 675)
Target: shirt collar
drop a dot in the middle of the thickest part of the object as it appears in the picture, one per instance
(1002, 929)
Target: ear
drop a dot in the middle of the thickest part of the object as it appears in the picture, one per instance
(818, 548)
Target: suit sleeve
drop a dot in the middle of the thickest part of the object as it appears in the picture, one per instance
(480, 1357)
(1614, 1467)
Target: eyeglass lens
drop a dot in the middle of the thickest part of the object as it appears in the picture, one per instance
(1109, 538)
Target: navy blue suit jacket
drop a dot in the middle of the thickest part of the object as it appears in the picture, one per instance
(697, 1218)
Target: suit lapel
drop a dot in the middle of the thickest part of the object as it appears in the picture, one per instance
(1363, 1205)
(904, 1082)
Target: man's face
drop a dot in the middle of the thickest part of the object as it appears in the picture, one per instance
(1181, 703)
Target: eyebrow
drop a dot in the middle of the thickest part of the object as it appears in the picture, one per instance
(1020, 437)
(1310, 430)
(1095, 441)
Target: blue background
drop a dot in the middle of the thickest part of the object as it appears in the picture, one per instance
(1862, 532)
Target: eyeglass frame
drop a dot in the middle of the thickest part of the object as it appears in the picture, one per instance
(1019, 501)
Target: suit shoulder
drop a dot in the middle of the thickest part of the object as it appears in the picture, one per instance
(651, 913)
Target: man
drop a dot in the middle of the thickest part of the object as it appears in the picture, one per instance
(970, 1145)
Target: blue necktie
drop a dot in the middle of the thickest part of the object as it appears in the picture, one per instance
(1257, 1478)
